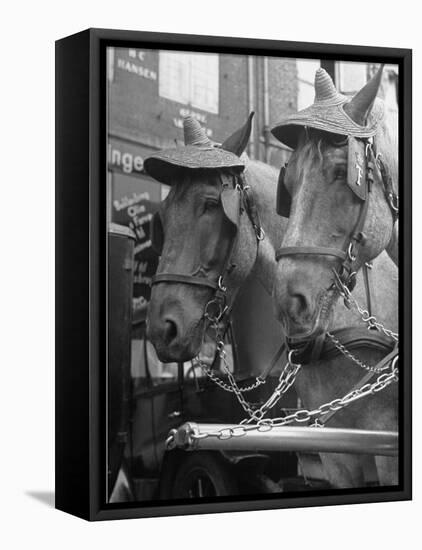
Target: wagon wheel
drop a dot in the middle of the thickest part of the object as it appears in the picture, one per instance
(203, 475)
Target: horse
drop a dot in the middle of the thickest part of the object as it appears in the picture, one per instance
(341, 193)
(209, 232)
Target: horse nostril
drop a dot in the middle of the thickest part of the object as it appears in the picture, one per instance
(170, 331)
(299, 304)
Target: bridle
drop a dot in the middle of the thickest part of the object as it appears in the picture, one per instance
(345, 276)
(350, 253)
(218, 305)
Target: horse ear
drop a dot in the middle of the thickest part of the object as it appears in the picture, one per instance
(360, 105)
(237, 142)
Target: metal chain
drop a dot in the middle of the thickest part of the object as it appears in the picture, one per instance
(285, 382)
(342, 349)
(288, 377)
(304, 415)
(232, 386)
(367, 318)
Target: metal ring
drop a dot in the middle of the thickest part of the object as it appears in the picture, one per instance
(289, 358)
(260, 235)
(220, 284)
(208, 315)
(352, 257)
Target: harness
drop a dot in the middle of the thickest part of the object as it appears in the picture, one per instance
(386, 370)
(235, 200)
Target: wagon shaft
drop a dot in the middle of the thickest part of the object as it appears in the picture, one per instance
(224, 437)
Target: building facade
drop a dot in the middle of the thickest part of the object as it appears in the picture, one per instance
(150, 91)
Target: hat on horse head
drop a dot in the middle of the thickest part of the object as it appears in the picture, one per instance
(327, 113)
(199, 152)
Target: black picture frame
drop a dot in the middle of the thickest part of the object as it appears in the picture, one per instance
(81, 256)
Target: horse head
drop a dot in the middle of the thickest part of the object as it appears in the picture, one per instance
(207, 245)
(340, 209)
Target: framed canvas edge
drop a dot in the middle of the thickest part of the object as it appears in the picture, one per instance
(100, 37)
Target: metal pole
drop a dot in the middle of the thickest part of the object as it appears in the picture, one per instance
(286, 438)
(267, 133)
(251, 102)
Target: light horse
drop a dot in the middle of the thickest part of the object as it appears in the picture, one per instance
(209, 232)
(339, 192)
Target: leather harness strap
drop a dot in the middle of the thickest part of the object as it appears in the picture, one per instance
(364, 380)
(307, 250)
(181, 278)
(369, 291)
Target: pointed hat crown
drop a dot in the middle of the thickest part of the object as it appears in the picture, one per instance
(198, 152)
(325, 91)
(194, 134)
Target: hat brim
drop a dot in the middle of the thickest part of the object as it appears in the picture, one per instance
(165, 165)
(328, 118)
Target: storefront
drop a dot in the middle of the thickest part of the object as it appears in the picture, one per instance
(133, 199)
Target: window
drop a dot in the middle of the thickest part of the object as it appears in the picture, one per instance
(351, 77)
(306, 69)
(189, 78)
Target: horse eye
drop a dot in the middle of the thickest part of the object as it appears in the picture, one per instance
(210, 204)
(340, 173)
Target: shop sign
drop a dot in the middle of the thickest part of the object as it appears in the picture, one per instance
(136, 68)
(125, 158)
(134, 201)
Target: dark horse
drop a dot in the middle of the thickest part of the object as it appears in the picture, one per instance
(340, 189)
(211, 226)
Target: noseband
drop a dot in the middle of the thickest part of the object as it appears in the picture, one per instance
(246, 203)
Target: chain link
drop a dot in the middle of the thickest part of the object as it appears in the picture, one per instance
(285, 381)
(232, 386)
(303, 415)
(342, 349)
(366, 317)
(256, 420)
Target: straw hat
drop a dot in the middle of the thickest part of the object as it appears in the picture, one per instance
(197, 153)
(327, 113)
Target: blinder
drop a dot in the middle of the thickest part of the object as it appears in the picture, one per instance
(356, 177)
(157, 233)
(283, 200)
(356, 167)
(230, 200)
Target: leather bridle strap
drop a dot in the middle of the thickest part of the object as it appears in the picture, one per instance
(218, 285)
(348, 255)
(311, 250)
(186, 279)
